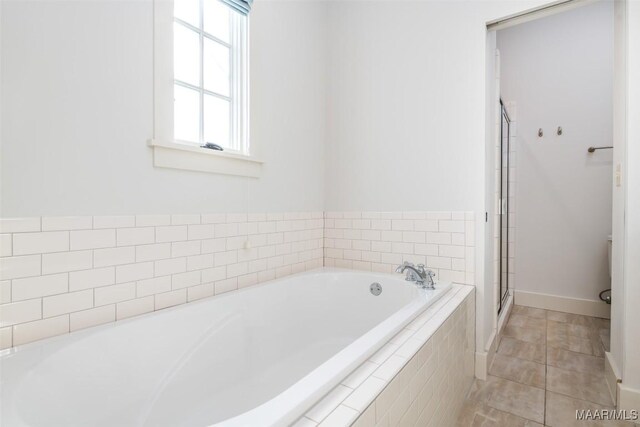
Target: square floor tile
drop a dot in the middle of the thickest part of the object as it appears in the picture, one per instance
(591, 387)
(571, 343)
(561, 412)
(563, 329)
(540, 349)
(572, 361)
(508, 396)
(523, 350)
(529, 311)
(605, 337)
(575, 319)
(524, 334)
(518, 370)
(475, 414)
(520, 320)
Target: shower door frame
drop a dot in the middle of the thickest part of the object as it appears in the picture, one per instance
(503, 208)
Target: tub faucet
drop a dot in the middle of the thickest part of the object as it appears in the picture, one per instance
(418, 274)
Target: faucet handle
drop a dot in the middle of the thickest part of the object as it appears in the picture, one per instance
(429, 275)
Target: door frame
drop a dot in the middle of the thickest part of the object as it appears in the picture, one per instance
(614, 366)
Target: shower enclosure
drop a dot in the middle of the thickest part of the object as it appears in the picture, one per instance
(503, 207)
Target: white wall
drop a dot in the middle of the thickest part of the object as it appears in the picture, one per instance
(559, 72)
(406, 112)
(77, 112)
(398, 96)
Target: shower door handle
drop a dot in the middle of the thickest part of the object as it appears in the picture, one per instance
(502, 208)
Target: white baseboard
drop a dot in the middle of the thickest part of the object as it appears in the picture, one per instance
(628, 399)
(481, 365)
(612, 376)
(568, 305)
(485, 358)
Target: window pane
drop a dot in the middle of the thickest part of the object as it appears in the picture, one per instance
(216, 121)
(187, 10)
(216, 19)
(186, 55)
(186, 114)
(216, 67)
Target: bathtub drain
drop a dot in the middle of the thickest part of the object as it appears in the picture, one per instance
(375, 288)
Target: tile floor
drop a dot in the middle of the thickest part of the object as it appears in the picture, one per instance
(547, 365)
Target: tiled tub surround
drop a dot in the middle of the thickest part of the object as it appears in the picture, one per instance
(420, 378)
(380, 241)
(60, 274)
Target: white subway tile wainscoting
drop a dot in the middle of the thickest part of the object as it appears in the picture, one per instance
(85, 271)
(380, 241)
(60, 274)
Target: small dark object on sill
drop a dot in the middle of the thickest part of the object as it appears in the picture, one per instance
(212, 146)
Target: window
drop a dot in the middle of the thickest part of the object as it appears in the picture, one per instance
(201, 86)
(209, 67)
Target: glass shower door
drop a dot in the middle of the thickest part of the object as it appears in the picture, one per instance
(503, 207)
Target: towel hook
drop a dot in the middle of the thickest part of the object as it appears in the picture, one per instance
(592, 149)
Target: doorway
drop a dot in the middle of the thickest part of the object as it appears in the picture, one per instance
(623, 102)
(558, 71)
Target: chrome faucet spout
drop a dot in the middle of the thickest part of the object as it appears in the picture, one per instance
(403, 266)
(419, 274)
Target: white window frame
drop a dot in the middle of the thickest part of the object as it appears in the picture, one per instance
(169, 153)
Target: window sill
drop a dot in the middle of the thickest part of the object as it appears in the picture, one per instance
(179, 156)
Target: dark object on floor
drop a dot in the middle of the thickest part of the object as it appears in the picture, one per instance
(606, 296)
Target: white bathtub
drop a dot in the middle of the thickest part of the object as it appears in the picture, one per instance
(257, 357)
